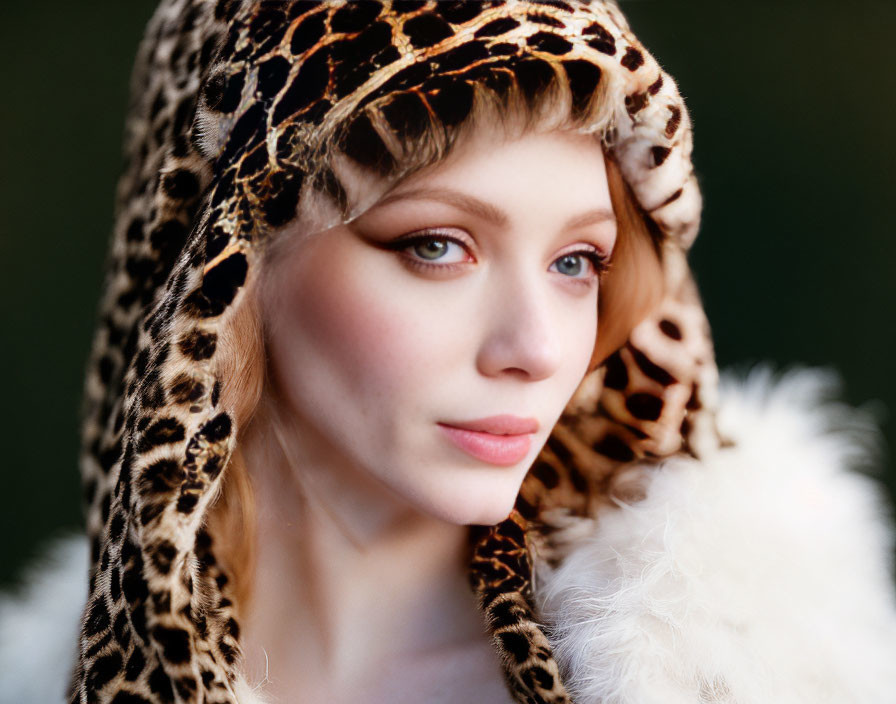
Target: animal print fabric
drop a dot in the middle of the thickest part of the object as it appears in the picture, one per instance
(237, 109)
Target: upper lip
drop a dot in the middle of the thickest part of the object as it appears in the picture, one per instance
(499, 425)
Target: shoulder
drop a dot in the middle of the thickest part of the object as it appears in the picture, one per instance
(39, 624)
(760, 573)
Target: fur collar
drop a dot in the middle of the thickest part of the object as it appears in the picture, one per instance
(760, 574)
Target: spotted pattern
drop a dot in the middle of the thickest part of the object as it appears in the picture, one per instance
(237, 107)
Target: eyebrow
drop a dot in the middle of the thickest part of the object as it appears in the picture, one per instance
(487, 211)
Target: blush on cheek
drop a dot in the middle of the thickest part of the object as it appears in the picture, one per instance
(343, 307)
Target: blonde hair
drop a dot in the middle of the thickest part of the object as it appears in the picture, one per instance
(629, 290)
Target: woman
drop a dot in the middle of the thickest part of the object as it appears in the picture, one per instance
(349, 237)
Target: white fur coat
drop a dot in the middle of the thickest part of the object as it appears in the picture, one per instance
(759, 575)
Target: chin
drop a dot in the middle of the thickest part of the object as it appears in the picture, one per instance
(475, 510)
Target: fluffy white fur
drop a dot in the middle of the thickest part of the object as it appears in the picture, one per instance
(760, 574)
(39, 625)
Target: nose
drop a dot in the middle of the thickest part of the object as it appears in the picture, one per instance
(521, 337)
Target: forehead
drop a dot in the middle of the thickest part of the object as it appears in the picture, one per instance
(365, 188)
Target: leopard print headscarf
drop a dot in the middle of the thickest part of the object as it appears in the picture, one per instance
(237, 107)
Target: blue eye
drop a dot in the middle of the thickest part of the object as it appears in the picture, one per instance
(571, 264)
(574, 263)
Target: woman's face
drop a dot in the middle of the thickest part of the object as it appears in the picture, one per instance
(468, 292)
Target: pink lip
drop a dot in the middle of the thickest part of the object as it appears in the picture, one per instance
(499, 425)
(501, 440)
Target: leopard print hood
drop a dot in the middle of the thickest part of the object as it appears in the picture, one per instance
(237, 110)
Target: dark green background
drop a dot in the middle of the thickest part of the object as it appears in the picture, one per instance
(793, 104)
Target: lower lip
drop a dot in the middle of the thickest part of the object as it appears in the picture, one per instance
(502, 450)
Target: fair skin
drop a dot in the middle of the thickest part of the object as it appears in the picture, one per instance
(364, 501)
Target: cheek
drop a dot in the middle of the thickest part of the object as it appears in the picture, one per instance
(341, 335)
(579, 329)
(355, 332)
(591, 332)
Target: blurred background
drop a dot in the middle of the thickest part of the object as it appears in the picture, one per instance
(793, 104)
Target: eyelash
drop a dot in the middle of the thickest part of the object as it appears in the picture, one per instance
(599, 262)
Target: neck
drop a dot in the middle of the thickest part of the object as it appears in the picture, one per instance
(346, 563)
